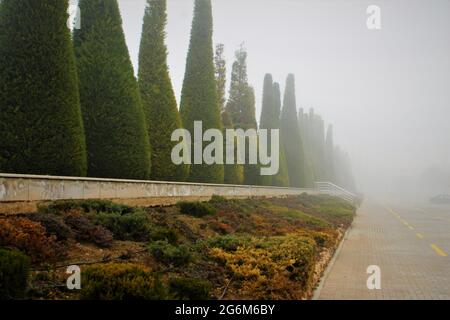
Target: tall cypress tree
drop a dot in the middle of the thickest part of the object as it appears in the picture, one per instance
(116, 134)
(282, 178)
(343, 171)
(314, 141)
(221, 75)
(329, 155)
(299, 174)
(158, 98)
(199, 94)
(234, 173)
(40, 120)
(270, 119)
(241, 108)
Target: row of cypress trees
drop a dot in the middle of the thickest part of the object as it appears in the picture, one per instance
(73, 106)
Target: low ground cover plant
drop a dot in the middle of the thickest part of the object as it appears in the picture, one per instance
(223, 248)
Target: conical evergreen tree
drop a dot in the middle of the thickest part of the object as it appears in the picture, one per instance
(343, 172)
(116, 134)
(199, 94)
(40, 119)
(314, 140)
(241, 108)
(221, 75)
(268, 112)
(282, 178)
(158, 98)
(234, 173)
(240, 105)
(329, 155)
(299, 174)
(268, 119)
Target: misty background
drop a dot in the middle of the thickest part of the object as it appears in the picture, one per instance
(386, 91)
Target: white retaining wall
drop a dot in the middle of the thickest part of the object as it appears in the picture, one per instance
(23, 188)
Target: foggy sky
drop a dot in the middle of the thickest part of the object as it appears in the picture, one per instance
(387, 92)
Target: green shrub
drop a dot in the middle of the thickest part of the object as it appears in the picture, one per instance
(196, 209)
(120, 281)
(163, 233)
(128, 227)
(14, 273)
(169, 254)
(228, 242)
(54, 226)
(189, 289)
(217, 199)
(85, 230)
(86, 206)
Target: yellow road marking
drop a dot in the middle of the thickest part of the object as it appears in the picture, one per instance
(435, 247)
(438, 250)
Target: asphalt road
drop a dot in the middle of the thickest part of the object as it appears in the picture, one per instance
(409, 243)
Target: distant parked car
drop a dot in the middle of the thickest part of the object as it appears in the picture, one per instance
(441, 199)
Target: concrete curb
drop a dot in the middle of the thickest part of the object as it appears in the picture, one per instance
(318, 290)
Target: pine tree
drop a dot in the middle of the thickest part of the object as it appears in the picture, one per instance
(158, 98)
(116, 135)
(299, 173)
(40, 119)
(221, 75)
(199, 94)
(241, 108)
(234, 173)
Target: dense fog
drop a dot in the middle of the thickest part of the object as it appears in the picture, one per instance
(386, 91)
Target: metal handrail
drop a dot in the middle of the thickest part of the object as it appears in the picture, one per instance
(332, 189)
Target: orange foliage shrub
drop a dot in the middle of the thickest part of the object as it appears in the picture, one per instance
(30, 237)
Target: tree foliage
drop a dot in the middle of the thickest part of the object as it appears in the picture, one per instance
(343, 171)
(199, 94)
(40, 119)
(234, 173)
(282, 178)
(116, 135)
(241, 108)
(299, 173)
(270, 119)
(313, 131)
(329, 154)
(158, 98)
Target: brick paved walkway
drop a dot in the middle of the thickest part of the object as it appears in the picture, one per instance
(410, 245)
